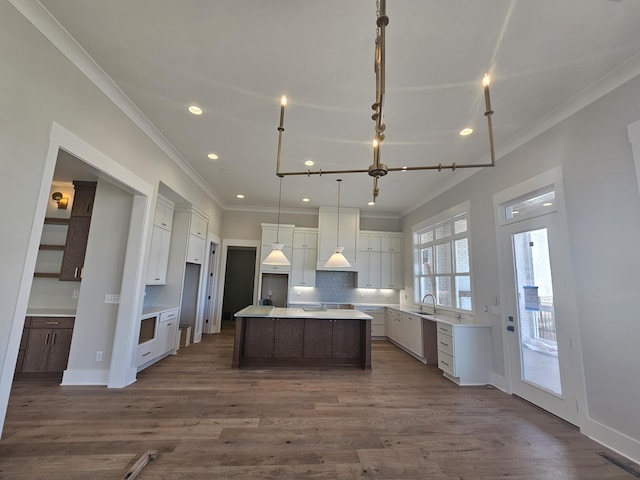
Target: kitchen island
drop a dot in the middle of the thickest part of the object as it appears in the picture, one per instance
(267, 336)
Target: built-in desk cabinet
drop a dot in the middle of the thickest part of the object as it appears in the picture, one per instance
(157, 338)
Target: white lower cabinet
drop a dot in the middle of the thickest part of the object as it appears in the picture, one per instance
(405, 330)
(163, 341)
(464, 353)
(378, 322)
(167, 332)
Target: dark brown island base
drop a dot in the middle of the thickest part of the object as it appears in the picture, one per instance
(295, 337)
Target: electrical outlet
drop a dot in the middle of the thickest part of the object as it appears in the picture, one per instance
(75, 294)
(112, 298)
(99, 356)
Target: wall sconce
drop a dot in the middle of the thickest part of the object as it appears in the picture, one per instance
(60, 200)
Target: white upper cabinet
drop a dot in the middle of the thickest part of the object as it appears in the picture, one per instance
(164, 213)
(196, 246)
(303, 261)
(198, 225)
(328, 235)
(380, 262)
(160, 242)
(283, 234)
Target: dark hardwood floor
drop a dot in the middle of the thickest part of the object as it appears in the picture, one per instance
(402, 420)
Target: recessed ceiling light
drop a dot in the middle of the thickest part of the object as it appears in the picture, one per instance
(196, 110)
(213, 156)
(466, 131)
(305, 199)
(240, 195)
(371, 203)
(309, 163)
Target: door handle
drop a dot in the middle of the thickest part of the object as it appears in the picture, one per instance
(511, 328)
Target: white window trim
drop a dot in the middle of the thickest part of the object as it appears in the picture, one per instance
(451, 212)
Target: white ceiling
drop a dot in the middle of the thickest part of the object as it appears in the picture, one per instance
(236, 58)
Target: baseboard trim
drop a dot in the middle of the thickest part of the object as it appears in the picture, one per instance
(85, 377)
(617, 441)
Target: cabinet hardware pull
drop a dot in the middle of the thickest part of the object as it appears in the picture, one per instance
(53, 323)
(444, 363)
(81, 272)
(46, 340)
(53, 339)
(145, 354)
(445, 344)
(75, 273)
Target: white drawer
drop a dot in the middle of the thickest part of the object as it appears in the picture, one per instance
(378, 330)
(446, 363)
(145, 352)
(445, 328)
(170, 315)
(445, 343)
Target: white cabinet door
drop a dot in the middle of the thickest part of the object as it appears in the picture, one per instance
(303, 238)
(369, 270)
(167, 331)
(391, 270)
(391, 243)
(411, 337)
(198, 225)
(163, 217)
(303, 267)
(158, 256)
(328, 234)
(195, 249)
(392, 324)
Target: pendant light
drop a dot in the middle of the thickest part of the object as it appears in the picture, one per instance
(277, 256)
(337, 259)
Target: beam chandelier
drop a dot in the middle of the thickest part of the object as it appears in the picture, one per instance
(378, 169)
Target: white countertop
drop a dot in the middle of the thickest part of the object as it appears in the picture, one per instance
(51, 312)
(436, 318)
(151, 310)
(279, 312)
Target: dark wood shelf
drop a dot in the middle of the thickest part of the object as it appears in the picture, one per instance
(56, 221)
(52, 247)
(46, 275)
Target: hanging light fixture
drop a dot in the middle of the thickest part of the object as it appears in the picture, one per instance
(378, 169)
(277, 256)
(337, 259)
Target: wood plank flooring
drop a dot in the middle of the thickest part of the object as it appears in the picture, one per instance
(402, 420)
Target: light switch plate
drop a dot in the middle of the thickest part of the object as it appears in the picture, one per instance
(495, 309)
(112, 298)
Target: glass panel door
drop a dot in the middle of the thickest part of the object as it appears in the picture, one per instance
(538, 328)
(536, 317)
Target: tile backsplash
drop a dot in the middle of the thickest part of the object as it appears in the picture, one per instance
(341, 287)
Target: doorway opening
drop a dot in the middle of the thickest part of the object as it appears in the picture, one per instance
(541, 334)
(239, 280)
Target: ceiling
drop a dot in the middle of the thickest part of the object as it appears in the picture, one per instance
(236, 58)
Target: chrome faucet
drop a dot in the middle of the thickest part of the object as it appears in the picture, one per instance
(434, 302)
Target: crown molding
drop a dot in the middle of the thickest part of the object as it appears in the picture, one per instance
(612, 80)
(34, 12)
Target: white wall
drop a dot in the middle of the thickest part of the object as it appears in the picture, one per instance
(40, 86)
(95, 323)
(603, 209)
